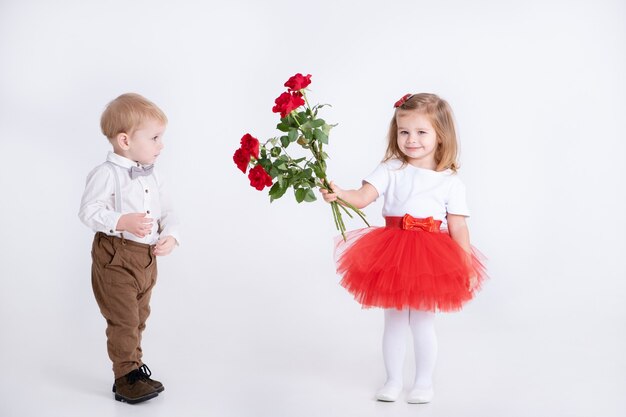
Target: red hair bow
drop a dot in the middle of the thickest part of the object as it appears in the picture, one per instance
(428, 224)
(402, 100)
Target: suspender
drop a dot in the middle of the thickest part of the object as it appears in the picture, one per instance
(118, 192)
(118, 195)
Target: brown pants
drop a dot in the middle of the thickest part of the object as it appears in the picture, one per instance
(123, 273)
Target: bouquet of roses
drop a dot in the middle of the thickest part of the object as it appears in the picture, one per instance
(273, 167)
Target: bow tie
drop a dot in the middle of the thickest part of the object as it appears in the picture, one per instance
(428, 224)
(140, 171)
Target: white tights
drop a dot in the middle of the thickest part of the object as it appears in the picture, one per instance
(422, 326)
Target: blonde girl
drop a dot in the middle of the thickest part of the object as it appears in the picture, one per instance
(421, 261)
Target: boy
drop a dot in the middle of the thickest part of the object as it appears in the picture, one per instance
(125, 205)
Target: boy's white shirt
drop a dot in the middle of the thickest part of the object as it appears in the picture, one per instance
(140, 195)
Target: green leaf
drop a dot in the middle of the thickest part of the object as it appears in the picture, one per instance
(294, 170)
(321, 136)
(293, 135)
(326, 128)
(300, 194)
(319, 106)
(265, 163)
(284, 140)
(319, 172)
(305, 176)
(274, 189)
(275, 151)
(317, 123)
(283, 126)
(309, 196)
(277, 163)
(277, 191)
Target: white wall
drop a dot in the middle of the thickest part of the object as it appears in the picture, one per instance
(539, 94)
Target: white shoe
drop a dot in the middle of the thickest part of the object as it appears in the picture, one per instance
(420, 396)
(389, 392)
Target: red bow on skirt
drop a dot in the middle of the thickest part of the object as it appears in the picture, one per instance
(428, 224)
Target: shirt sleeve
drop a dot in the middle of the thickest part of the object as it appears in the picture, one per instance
(379, 179)
(457, 202)
(96, 210)
(168, 223)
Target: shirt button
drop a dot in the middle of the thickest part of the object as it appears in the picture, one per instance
(146, 191)
(148, 212)
(111, 231)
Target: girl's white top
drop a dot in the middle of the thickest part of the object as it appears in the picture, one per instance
(419, 192)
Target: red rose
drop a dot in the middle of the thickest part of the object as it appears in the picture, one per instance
(298, 82)
(287, 102)
(242, 159)
(250, 144)
(259, 179)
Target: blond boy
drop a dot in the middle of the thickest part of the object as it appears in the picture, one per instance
(125, 204)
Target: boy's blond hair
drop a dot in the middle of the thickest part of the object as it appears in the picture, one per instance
(440, 114)
(126, 113)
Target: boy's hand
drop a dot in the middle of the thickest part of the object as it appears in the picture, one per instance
(164, 246)
(135, 223)
(328, 196)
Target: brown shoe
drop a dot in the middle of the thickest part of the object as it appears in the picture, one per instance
(152, 382)
(132, 389)
(158, 386)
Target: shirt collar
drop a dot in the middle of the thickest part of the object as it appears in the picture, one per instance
(121, 161)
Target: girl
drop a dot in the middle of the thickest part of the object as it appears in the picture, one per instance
(421, 261)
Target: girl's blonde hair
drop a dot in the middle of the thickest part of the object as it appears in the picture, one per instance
(440, 114)
(127, 112)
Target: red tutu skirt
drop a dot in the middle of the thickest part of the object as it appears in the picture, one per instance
(409, 263)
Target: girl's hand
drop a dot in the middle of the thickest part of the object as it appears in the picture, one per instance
(135, 223)
(328, 196)
(358, 198)
(164, 246)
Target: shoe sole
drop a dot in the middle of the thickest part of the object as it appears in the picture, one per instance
(418, 401)
(388, 396)
(158, 390)
(136, 400)
(386, 400)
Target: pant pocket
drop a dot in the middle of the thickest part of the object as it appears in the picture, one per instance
(103, 253)
(151, 260)
(116, 259)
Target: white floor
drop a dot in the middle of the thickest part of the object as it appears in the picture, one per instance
(251, 368)
(262, 338)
